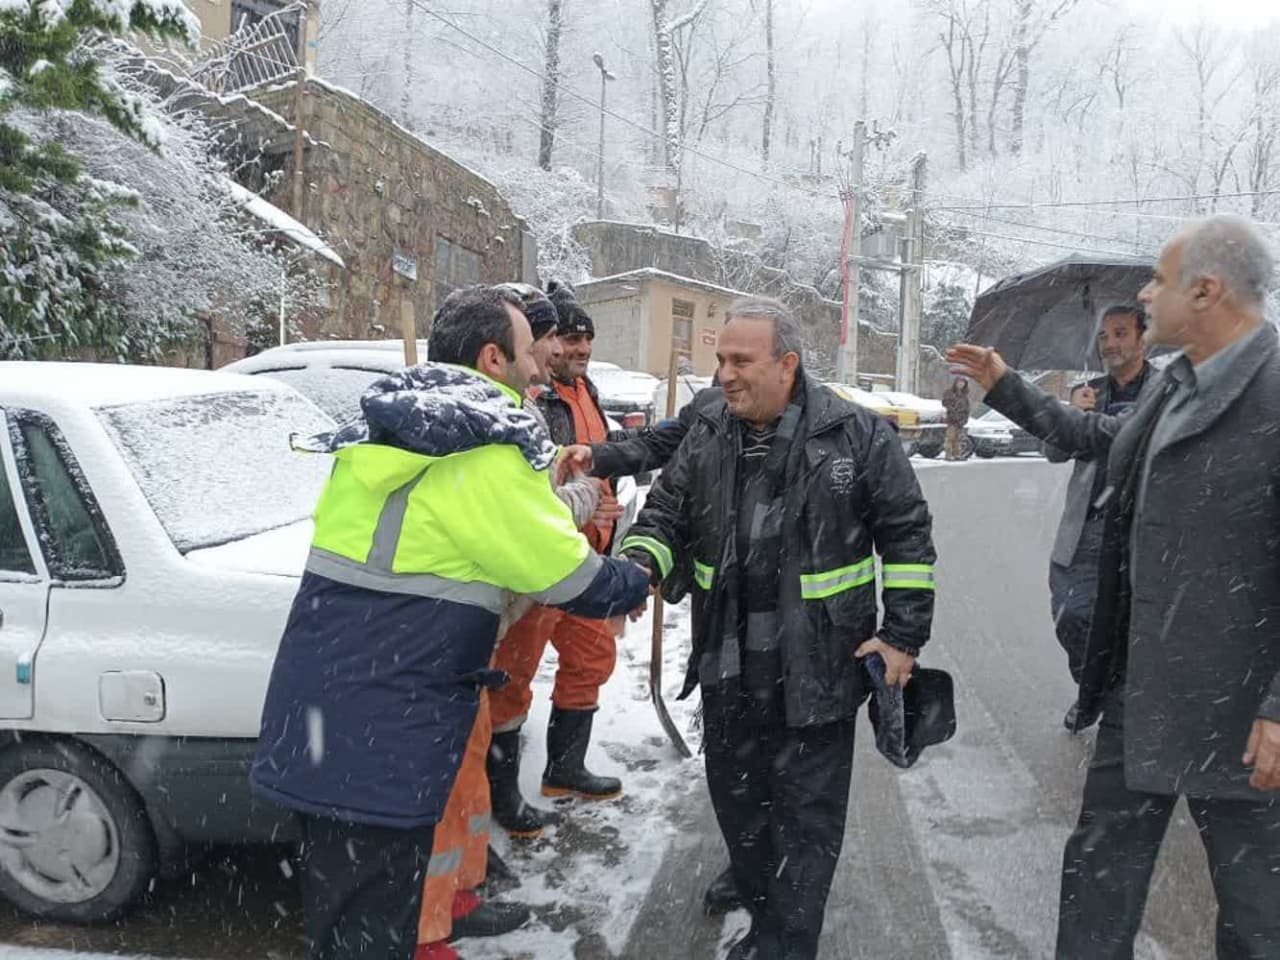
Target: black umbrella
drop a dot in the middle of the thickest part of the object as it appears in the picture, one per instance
(1047, 318)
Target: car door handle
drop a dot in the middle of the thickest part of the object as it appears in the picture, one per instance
(1, 619)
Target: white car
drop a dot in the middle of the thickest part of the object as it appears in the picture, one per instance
(687, 386)
(334, 374)
(153, 527)
(995, 435)
(625, 395)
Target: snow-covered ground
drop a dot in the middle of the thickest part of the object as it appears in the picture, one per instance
(589, 877)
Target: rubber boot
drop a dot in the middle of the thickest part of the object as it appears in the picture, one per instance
(746, 948)
(473, 917)
(722, 896)
(568, 735)
(509, 809)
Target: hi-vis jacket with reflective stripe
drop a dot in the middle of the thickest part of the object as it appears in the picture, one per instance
(850, 495)
(376, 683)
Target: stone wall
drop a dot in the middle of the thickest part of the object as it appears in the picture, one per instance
(384, 199)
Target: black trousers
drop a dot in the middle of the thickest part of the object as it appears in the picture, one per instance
(1072, 591)
(781, 795)
(362, 888)
(1106, 870)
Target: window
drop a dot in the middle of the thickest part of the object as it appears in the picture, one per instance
(456, 266)
(219, 467)
(682, 312)
(335, 390)
(68, 522)
(14, 555)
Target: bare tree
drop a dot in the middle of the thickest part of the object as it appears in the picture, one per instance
(665, 28)
(550, 84)
(1033, 19)
(1265, 125)
(953, 40)
(771, 94)
(977, 34)
(1211, 60)
(1115, 65)
(710, 55)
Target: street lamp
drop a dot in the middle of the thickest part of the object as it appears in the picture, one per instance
(605, 77)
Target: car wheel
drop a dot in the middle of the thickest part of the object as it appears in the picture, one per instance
(75, 841)
(928, 449)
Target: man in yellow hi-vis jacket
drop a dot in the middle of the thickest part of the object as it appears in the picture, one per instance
(439, 503)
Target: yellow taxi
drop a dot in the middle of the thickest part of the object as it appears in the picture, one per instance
(906, 420)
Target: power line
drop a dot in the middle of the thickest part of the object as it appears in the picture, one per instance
(1055, 230)
(1049, 243)
(1102, 203)
(763, 178)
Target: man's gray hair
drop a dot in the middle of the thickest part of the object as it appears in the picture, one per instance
(787, 336)
(1231, 249)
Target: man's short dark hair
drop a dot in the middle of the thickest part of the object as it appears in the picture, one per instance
(1126, 310)
(466, 322)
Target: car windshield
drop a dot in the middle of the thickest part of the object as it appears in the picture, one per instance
(335, 390)
(217, 468)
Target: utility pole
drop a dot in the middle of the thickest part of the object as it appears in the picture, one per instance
(299, 118)
(605, 77)
(847, 358)
(911, 289)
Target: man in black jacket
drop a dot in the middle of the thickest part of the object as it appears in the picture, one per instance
(1183, 656)
(781, 495)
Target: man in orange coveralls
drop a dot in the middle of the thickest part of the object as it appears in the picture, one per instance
(587, 648)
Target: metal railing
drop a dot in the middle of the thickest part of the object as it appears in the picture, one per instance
(260, 53)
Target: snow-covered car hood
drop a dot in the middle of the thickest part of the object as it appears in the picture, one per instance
(281, 552)
(990, 427)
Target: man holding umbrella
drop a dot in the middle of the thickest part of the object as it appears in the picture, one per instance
(1183, 658)
(1073, 565)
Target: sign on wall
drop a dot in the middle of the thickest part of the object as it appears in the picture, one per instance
(405, 265)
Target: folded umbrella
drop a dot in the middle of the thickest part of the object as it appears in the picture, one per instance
(1047, 318)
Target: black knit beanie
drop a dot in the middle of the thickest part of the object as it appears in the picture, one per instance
(574, 320)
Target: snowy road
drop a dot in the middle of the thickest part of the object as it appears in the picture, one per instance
(955, 860)
(959, 857)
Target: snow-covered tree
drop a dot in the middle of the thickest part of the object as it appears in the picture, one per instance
(58, 226)
(199, 254)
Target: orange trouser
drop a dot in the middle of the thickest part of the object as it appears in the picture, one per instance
(459, 855)
(588, 651)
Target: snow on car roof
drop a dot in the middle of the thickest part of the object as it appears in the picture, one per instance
(385, 355)
(109, 384)
(309, 346)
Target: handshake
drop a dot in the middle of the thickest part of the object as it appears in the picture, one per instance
(574, 463)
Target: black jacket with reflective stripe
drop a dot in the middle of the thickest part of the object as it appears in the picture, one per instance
(850, 494)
